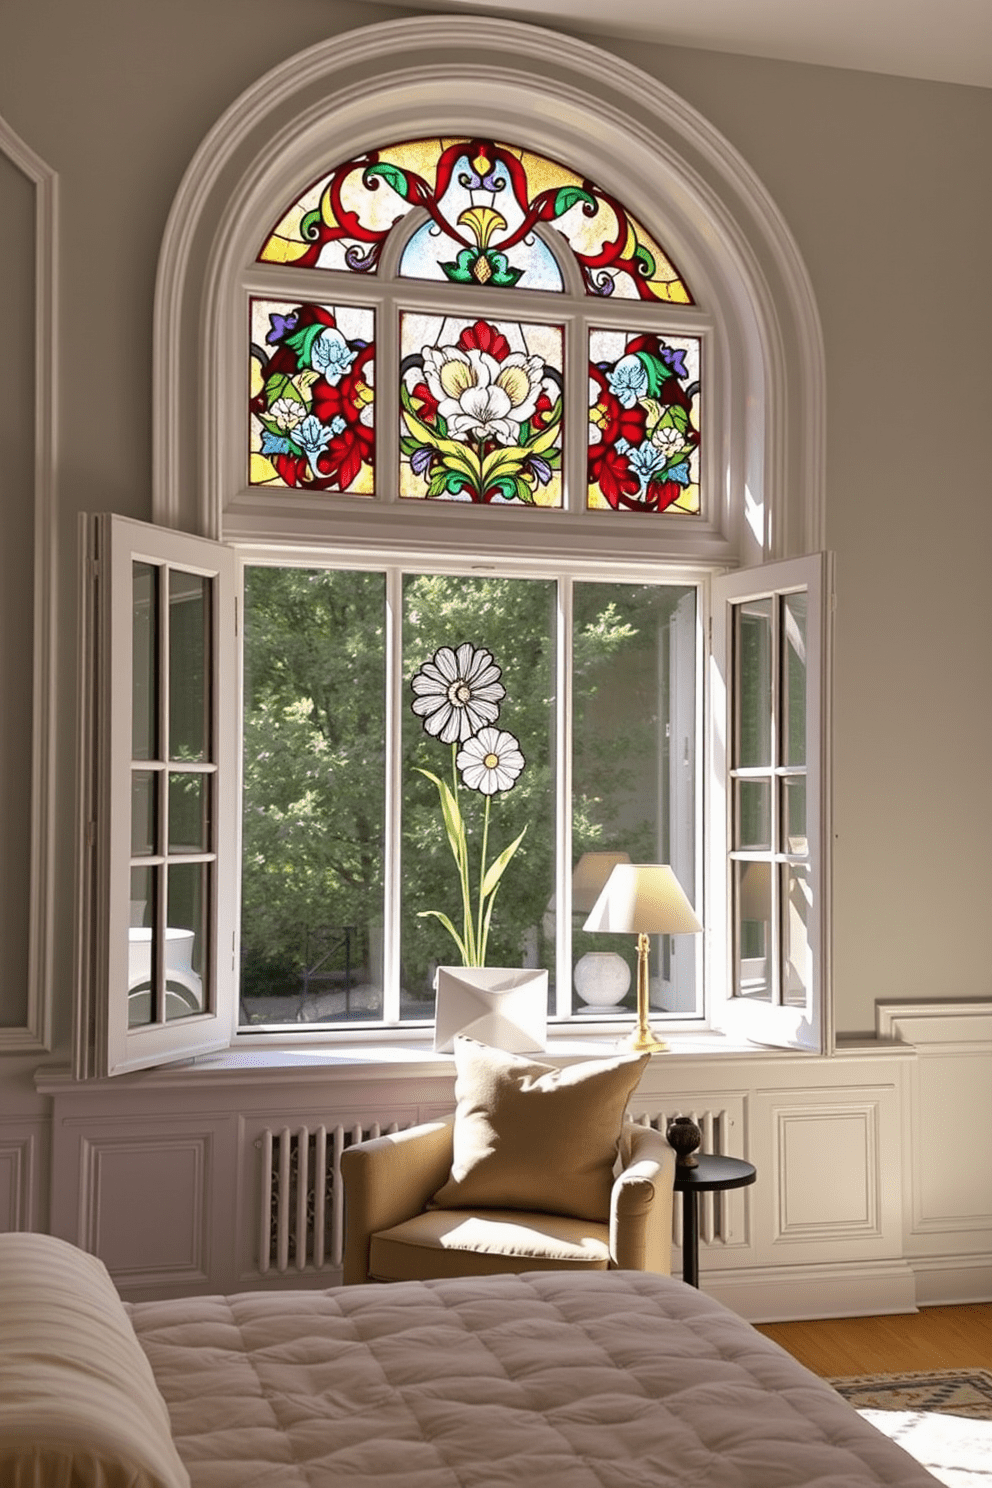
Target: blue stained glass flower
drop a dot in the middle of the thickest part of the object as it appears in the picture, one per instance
(331, 356)
(628, 381)
(312, 436)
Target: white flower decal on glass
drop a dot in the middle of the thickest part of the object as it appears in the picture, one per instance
(457, 692)
(457, 696)
(490, 761)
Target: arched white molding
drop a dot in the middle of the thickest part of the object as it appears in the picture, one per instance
(558, 95)
(36, 1031)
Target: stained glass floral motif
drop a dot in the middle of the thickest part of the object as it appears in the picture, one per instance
(311, 399)
(490, 214)
(481, 411)
(643, 422)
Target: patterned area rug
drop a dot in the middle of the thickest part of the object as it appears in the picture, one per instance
(943, 1418)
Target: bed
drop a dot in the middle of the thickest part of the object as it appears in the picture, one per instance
(599, 1380)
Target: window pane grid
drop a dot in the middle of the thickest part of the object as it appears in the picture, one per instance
(622, 635)
(172, 894)
(770, 878)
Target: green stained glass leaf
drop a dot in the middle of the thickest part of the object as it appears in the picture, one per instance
(656, 370)
(282, 386)
(310, 225)
(567, 198)
(460, 272)
(302, 343)
(645, 258)
(393, 177)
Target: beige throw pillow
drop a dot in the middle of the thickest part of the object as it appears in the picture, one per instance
(531, 1136)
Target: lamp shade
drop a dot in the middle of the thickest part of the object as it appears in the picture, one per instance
(643, 899)
(589, 876)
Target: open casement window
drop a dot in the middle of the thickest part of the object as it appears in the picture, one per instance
(160, 784)
(769, 879)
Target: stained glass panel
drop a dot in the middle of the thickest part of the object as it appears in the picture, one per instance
(643, 422)
(480, 411)
(311, 397)
(490, 213)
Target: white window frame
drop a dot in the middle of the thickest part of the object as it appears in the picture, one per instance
(765, 401)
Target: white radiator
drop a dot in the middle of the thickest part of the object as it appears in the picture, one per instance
(301, 1196)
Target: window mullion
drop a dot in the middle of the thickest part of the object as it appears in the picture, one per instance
(392, 867)
(563, 804)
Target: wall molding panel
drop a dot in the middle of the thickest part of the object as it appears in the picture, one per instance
(35, 1032)
(17, 1167)
(828, 1172)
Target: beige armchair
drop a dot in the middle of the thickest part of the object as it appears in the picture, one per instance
(391, 1234)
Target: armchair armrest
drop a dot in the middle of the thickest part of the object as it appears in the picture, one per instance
(642, 1202)
(389, 1179)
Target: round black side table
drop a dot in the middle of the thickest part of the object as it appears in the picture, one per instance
(709, 1175)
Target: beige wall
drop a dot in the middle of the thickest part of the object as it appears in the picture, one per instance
(883, 182)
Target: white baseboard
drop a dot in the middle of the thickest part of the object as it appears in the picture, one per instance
(945, 1280)
(779, 1294)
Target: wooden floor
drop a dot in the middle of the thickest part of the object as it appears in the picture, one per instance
(935, 1338)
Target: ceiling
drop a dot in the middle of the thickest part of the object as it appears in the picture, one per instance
(944, 40)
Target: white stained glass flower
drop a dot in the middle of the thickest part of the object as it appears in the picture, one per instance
(457, 692)
(286, 413)
(481, 397)
(490, 761)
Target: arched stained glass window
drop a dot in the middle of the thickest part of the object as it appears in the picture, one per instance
(484, 381)
(482, 216)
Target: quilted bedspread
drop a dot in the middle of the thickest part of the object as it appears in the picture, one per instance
(600, 1380)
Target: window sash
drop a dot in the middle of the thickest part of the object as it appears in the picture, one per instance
(790, 1016)
(110, 955)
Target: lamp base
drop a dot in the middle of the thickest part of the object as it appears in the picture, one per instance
(642, 1041)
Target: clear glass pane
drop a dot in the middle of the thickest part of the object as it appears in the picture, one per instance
(186, 939)
(754, 685)
(753, 816)
(797, 957)
(314, 796)
(189, 812)
(144, 661)
(479, 715)
(481, 411)
(794, 607)
(189, 673)
(633, 767)
(753, 904)
(141, 938)
(143, 811)
(794, 814)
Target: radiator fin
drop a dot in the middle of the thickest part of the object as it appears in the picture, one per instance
(301, 1197)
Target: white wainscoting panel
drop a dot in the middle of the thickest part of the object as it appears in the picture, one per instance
(948, 1156)
(145, 1202)
(16, 1171)
(828, 1172)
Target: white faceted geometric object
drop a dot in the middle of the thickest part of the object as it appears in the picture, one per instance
(505, 1007)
